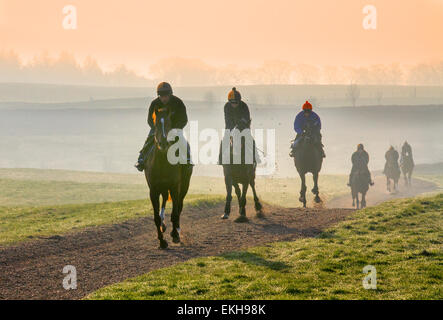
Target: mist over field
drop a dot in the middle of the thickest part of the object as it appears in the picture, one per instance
(95, 136)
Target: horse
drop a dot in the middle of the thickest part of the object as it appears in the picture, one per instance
(308, 158)
(359, 184)
(244, 174)
(166, 179)
(392, 172)
(407, 166)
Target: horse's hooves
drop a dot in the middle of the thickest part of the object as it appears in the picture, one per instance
(163, 244)
(225, 216)
(260, 214)
(317, 199)
(175, 236)
(241, 219)
(163, 228)
(301, 199)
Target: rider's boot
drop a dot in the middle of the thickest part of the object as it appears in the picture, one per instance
(323, 154)
(140, 164)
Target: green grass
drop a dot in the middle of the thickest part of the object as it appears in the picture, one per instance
(24, 223)
(34, 187)
(402, 239)
(39, 193)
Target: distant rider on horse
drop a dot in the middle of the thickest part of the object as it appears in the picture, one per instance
(391, 157)
(360, 160)
(301, 120)
(406, 151)
(179, 119)
(237, 116)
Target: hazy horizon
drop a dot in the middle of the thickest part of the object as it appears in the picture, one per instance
(217, 43)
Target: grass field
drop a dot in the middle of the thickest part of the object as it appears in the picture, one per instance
(402, 239)
(33, 187)
(39, 203)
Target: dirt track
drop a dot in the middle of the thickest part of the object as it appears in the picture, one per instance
(378, 193)
(110, 254)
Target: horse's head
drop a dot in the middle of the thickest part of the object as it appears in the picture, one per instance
(162, 128)
(308, 132)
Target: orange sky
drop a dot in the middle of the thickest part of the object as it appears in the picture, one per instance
(244, 32)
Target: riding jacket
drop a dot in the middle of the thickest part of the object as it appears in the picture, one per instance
(360, 159)
(301, 120)
(391, 155)
(233, 116)
(179, 118)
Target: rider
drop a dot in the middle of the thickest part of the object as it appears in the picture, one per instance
(237, 115)
(391, 156)
(179, 118)
(300, 122)
(360, 160)
(406, 150)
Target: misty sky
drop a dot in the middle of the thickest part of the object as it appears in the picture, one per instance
(138, 33)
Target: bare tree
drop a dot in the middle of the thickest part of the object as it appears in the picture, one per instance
(353, 93)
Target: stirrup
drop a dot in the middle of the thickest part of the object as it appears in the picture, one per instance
(140, 166)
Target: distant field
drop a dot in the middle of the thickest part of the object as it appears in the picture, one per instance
(402, 239)
(34, 187)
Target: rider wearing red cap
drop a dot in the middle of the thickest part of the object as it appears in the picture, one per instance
(302, 118)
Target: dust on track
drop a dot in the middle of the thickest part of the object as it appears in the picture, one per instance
(109, 254)
(378, 193)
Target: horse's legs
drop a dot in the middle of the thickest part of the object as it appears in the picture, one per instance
(363, 200)
(241, 204)
(228, 185)
(245, 187)
(165, 196)
(358, 201)
(315, 189)
(175, 217)
(257, 204)
(154, 195)
(303, 190)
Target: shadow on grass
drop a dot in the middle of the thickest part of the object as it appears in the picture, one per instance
(255, 259)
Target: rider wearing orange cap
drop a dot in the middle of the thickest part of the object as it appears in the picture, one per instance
(237, 116)
(360, 160)
(302, 118)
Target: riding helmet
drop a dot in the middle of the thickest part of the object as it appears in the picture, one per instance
(307, 106)
(164, 88)
(234, 95)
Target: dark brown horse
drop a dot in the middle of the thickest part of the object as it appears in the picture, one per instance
(407, 163)
(392, 169)
(244, 174)
(359, 184)
(166, 179)
(308, 158)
